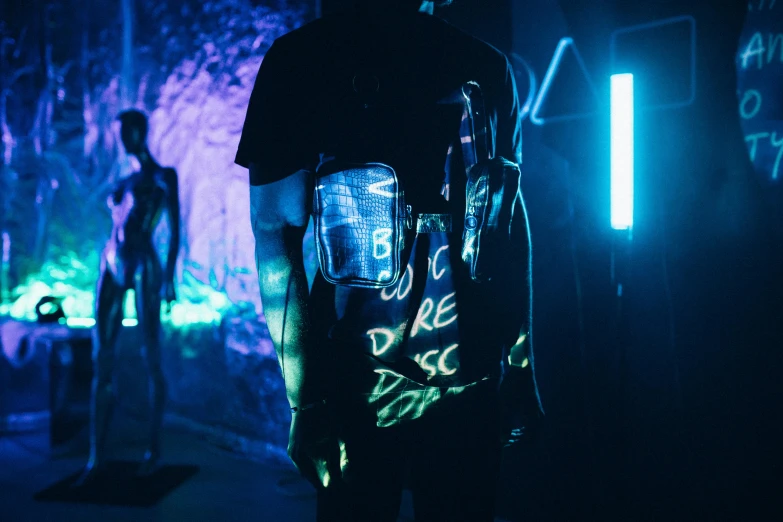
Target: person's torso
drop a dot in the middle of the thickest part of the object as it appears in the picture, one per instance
(389, 90)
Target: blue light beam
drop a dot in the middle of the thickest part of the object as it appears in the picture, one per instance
(622, 153)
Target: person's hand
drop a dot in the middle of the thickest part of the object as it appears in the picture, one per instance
(521, 408)
(313, 446)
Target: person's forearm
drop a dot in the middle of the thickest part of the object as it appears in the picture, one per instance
(284, 296)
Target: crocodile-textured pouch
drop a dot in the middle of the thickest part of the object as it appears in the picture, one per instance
(360, 220)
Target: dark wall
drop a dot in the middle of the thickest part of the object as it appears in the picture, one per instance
(662, 404)
(490, 21)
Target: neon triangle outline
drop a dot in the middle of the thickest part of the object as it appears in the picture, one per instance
(551, 73)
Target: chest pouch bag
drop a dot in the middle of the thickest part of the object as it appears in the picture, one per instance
(360, 223)
(491, 189)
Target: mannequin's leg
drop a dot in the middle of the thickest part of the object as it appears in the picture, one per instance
(148, 302)
(108, 321)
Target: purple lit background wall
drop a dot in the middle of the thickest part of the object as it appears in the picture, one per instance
(189, 65)
(68, 68)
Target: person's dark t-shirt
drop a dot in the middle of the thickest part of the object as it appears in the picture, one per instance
(362, 87)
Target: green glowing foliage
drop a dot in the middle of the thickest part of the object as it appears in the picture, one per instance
(74, 283)
(66, 278)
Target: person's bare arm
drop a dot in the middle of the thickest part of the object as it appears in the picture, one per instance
(279, 219)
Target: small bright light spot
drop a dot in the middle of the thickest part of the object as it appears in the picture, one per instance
(129, 305)
(622, 154)
(130, 322)
(47, 308)
(343, 457)
(80, 322)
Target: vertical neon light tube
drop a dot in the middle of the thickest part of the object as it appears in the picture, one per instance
(622, 145)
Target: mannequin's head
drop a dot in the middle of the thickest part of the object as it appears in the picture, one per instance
(133, 131)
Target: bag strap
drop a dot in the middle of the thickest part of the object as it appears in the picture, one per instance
(474, 135)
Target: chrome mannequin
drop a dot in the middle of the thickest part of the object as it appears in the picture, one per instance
(129, 260)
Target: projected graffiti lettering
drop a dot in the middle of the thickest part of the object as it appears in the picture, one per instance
(426, 365)
(756, 53)
(443, 314)
(443, 369)
(759, 65)
(441, 365)
(402, 288)
(381, 246)
(775, 48)
(382, 340)
(761, 5)
(753, 141)
(770, 139)
(421, 317)
(437, 274)
(750, 104)
(771, 143)
(432, 337)
(755, 49)
(777, 144)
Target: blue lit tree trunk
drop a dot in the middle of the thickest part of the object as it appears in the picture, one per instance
(45, 109)
(42, 129)
(89, 118)
(127, 85)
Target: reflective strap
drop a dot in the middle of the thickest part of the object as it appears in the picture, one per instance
(430, 223)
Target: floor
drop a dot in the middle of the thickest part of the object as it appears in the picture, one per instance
(228, 487)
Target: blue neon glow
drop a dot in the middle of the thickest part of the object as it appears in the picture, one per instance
(622, 123)
(546, 83)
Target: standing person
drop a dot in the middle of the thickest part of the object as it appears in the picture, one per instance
(130, 260)
(418, 374)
